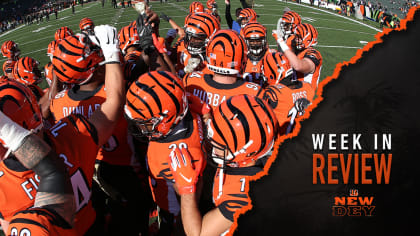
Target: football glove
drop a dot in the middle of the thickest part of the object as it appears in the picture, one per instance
(145, 35)
(165, 17)
(185, 173)
(197, 105)
(106, 37)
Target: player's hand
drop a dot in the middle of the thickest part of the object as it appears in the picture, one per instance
(145, 35)
(106, 37)
(301, 104)
(227, 2)
(184, 171)
(197, 105)
(165, 17)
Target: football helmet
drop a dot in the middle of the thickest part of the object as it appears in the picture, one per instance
(10, 50)
(63, 32)
(255, 35)
(199, 28)
(246, 15)
(288, 23)
(48, 69)
(20, 104)
(155, 104)
(306, 36)
(196, 7)
(8, 67)
(75, 59)
(86, 25)
(51, 48)
(242, 130)
(226, 52)
(128, 37)
(275, 67)
(26, 71)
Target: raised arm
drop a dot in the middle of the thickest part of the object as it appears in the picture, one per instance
(105, 118)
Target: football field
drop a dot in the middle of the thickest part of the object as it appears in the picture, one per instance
(339, 36)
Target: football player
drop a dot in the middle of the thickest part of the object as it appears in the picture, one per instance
(8, 68)
(199, 28)
(113, 169)
(287, 96)
(25, 200)
(288, 23)
(77, 139)
(51, 48)
(304, 59)
(226, 58)
(26, 71)
(11, 51)
(255, 35)
(87, 26)
(246, 15)
(157, 108)
(240, 134)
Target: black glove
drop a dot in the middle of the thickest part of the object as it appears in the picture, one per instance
(145, 36)
(165, 17)
(301, 104)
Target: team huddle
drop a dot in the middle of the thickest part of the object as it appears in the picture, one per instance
(134, 123)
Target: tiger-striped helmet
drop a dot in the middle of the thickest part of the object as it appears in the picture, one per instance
(246, 15)
(226, 53)
(10, 49)
(51, 48)
(128, 37)
(255, 35)
(75, 59)
(275, 67)
(306, 36)
(26, 71)
(196, 7)
(20, 105)
(242, 130)
(199, 28)
(155, 104)
(63, 32)
(86, 25)
(288, 23)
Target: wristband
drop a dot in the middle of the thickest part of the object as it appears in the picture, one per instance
(283, 45)
(11, 134)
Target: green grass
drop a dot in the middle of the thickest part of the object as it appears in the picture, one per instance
(339, 37)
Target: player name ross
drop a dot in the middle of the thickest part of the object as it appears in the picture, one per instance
(349, 141)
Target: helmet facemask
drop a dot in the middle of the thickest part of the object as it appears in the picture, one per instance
(286, 29)
(256, 48)
(195, 43)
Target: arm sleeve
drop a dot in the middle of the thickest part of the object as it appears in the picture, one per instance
(228, 16)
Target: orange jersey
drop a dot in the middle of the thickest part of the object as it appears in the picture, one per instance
(253, 72)
(39, 222)
(183, 56)
(213, 93)
(282, 99)
(74, 140)
(117, 151)
(316, 58)
(232, 195)
(188, 132)
(18, 187)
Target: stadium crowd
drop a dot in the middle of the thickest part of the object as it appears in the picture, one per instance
(136, 126)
